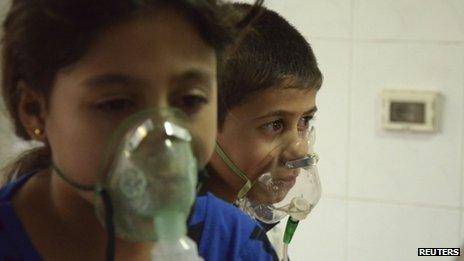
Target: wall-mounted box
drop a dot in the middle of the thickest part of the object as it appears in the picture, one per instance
(410, 110)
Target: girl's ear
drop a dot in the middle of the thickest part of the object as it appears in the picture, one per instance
(32, 111)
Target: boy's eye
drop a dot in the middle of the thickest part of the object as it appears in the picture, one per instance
(304, 122)
(192, 103)
(115, 105)
(273, 128)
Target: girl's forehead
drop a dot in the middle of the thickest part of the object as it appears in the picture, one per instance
(149, 39)
(147, 51)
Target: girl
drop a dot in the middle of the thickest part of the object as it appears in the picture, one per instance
(72, 72)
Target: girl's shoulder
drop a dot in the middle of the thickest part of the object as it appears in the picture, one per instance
(14, 242)
(7, 191)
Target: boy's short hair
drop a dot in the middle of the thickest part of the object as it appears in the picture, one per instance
(270, 53)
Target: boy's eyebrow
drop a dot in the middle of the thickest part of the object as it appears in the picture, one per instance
(115, 79)
(311, 111)
(285, 113)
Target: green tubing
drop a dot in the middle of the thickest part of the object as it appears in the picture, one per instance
(290, 230)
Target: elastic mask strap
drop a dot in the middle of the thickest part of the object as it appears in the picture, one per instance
(248, 184)
(71, 182)
(110, 246)
(202, 176)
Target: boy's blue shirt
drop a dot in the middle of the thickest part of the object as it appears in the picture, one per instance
(220, 230)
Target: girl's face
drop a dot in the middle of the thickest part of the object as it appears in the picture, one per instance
(157, 60)
(265, 132)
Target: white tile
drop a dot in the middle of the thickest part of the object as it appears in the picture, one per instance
(6, 149)
(5, 133)
(440, 20)
(4, 7)
(322, 235)
(462, 158)
(461, 239)
(384, 232)
(422, 168)
(10, 145)
(316, 18)
(332, 117)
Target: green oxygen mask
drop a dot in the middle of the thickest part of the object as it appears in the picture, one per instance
(147, 184)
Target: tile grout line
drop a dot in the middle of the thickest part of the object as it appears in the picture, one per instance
(461, 203)
(387, 40)
(408, 41)
(348, 141)
(393, 202)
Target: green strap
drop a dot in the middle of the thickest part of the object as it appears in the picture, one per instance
(248, 184)
(71, 182)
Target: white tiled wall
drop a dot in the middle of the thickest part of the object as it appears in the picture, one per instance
(385, 194)
(5, 133)
(323, 236)
(428, 163)
(334, 102)
(320, 18)
(415, 20)
(383, 231)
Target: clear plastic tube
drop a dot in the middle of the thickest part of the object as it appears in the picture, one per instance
(288, 234)
(285, 252)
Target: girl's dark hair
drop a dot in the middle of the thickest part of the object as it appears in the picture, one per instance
(270, 53)
(43, 36)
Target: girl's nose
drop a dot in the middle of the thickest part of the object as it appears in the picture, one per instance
(158, 98)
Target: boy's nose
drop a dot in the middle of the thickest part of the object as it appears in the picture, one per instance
(297, 149)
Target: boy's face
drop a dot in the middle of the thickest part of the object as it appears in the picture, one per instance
(153, 61)
(265, 132)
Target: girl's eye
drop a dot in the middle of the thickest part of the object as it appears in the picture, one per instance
(304, 123)
(192, 103)
(273, 128)
(115, 105)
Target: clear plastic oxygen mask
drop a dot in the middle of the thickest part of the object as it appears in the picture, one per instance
(147, 183)
(290, 188)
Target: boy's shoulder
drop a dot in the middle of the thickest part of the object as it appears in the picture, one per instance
(220, 226)
(221, 215)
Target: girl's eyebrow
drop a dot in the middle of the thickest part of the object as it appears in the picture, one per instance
(110, 79)
(193, 75)
(282, 113)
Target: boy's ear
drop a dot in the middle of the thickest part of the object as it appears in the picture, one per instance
(32, 111)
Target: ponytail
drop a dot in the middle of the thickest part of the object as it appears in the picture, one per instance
(27, 162)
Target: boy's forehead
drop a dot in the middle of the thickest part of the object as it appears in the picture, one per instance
(291, 100)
